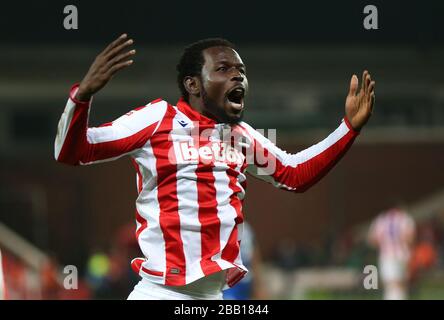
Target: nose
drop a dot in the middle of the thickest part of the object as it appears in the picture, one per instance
(238, 77)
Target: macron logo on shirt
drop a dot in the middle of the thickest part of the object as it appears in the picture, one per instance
(182, 123)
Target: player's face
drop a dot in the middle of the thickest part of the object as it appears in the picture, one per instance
(224, 84)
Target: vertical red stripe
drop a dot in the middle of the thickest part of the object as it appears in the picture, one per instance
(167, 197)
(209, 221)
(231, 250)
(207, 212)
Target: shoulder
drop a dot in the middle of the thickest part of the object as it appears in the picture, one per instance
(155, 105)
(254, 134)
(142, 116)
(246, 129)
(154, 110)
(245, 126)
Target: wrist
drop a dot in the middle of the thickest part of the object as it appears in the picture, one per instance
(83, 95)
(350, 125)
(73, 95)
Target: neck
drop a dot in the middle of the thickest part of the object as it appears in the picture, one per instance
(196, 104)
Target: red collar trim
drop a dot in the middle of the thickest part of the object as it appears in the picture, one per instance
(194, 115)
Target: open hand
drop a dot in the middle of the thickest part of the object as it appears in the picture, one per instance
(359, 106)
(107, 63)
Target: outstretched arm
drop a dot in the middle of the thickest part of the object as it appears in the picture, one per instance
(76, 143)
(297, 172)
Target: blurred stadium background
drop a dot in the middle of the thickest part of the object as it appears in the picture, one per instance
(299, 58)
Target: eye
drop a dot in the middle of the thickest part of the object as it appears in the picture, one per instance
(222, 68)
(242, 70)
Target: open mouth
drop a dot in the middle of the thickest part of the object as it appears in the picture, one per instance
(235, 98)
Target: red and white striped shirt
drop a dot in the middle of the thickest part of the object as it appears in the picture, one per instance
(393, 230)
(191, 186)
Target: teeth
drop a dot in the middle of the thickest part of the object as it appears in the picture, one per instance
(235, 97)
(238, 91)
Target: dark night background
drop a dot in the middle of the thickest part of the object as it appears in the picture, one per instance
(300, 56)
(283, 22)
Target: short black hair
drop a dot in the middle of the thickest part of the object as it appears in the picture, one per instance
(192, 60)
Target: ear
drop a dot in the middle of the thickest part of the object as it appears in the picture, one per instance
(192, 85)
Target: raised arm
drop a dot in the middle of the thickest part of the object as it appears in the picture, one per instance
(76, 143)
(297, 172)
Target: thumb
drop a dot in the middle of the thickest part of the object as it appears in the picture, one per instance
(353, 85)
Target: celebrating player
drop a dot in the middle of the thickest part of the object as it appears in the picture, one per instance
(191, 160)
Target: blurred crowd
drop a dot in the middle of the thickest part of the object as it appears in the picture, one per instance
(107, 273)
(347, 250)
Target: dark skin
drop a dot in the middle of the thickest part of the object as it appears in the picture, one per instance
(209, 93)
(114, 58)
(219, 91)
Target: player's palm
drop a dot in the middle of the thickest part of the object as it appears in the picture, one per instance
(359, 105)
